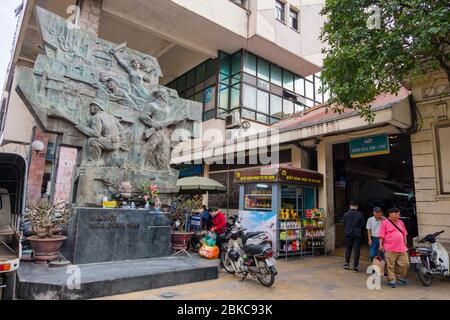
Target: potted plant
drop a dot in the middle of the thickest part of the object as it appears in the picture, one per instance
(149, 192)
(47, 222)
(126, 189)
(179, 215)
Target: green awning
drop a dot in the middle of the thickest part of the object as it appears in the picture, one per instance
(199, 185)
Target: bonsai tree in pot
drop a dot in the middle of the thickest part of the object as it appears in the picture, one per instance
(47, 221)
(179, 216)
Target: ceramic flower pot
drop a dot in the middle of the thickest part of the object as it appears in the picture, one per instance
(180, 240)
(46, 249)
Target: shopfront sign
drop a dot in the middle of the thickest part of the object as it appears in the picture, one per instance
(257, 175)
(300, 177)
(284, 174)
(369, 146)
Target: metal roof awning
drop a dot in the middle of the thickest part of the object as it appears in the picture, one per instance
(390, 110)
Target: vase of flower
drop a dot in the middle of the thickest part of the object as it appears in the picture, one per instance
(149, 192)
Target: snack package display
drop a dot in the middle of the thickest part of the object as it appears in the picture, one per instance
(209, 252)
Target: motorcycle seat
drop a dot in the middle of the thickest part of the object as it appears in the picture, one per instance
(254, 249)
(251, 235)
(425, 250)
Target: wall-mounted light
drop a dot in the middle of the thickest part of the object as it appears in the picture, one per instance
(38, 146)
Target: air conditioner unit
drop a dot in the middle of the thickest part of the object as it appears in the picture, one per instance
(233, 120)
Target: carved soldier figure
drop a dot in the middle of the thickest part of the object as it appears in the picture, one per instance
(119, 95)
(138, 75)
(156, 151)
(105, 133)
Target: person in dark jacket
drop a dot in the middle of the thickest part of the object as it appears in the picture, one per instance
(353, 225)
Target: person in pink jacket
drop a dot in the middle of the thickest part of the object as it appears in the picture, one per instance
(392, 236)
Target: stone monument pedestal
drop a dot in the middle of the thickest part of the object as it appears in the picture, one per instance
(103, 235)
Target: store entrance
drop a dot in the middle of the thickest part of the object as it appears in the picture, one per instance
(384, 180)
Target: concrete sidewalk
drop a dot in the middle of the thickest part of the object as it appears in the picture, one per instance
(302, 278)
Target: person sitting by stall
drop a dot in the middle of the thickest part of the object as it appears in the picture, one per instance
(206, 218)
(219, 222)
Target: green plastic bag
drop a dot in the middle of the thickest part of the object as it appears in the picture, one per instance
(210, 239)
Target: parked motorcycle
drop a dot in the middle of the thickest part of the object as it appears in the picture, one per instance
(430, 259)
(243, 257)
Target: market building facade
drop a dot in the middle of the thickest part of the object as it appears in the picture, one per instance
(202, 49)
(254, 66)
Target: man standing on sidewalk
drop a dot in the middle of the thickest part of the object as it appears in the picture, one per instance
(353, 226)
(373, 228)
(393, 243)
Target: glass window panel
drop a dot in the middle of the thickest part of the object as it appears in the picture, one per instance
(293, 19)
(190, 91)
(235, 79)
(299, 85)
(263, 85)
(262, 118)
(317, 85)
(236, 63)
(199, 97)
(210, 98)
(288, 107)
(181, 83)
(190, 80)
(235, 96)
(249, 96)
(275, 75)
(326, 96)
(222, 113)
(263, 69)
(273, 120)
(209, 115)
(225, 62)
(276, 89)
(276, 106)
(309, 103)
(279, 10)
(200, 73)
(249, 79)
(288, 80)
(211, 67)
(199, 86)
(248, 114)
(210, 81)
(250, 64)
(299, 108)
(310, 78)
(263, 101)
(309, 90)
(224, 93)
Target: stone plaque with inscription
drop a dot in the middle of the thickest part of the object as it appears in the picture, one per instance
(100, 235)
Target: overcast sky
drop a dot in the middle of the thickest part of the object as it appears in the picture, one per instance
(7, 28)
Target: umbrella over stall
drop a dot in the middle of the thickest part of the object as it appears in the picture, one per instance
(200, 185)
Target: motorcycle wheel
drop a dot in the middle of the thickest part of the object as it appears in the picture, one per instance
(225, 263)
(267, 278)
(424, 277)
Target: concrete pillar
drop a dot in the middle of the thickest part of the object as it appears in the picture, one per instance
(326, 193)
(90, 15)
(299, 156)
(296, 156)
(206, 175)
